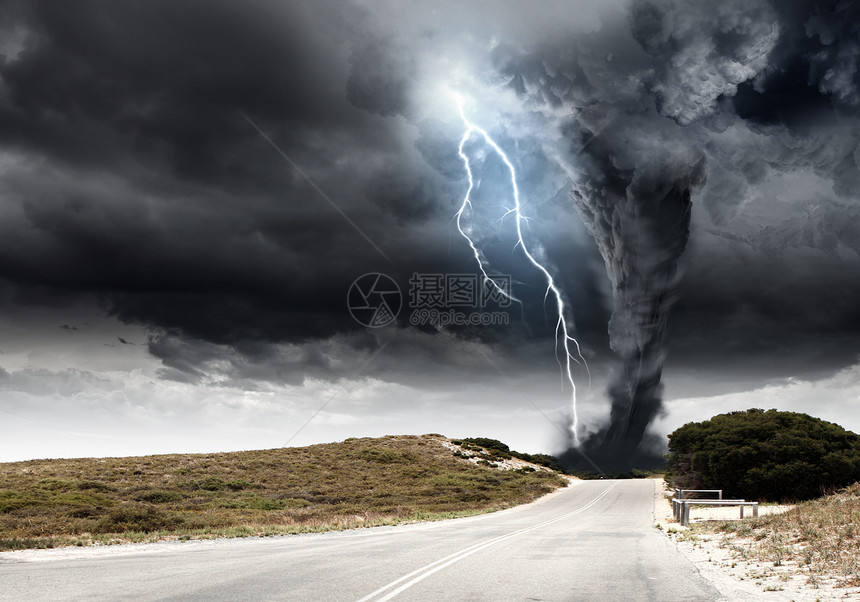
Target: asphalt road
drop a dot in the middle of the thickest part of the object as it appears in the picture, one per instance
(593, 541)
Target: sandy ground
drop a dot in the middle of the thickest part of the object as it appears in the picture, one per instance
(736, 578)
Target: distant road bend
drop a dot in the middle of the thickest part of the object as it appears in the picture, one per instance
(593, 541)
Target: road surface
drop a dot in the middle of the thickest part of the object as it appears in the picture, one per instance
(593, 541)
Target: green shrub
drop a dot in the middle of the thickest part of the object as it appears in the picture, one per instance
(216, 484)
(85, 512)
(764, 455)
(386, 456)
(496, 450)
(546, 460)
(160, 497)
(139, 519)
(493, 446)
(15, 500)
(95, 486)
(56, 484)
(255, 503)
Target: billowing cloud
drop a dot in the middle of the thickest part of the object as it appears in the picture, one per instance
(132, 172)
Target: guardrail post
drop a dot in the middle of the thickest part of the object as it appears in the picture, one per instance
(681, 507)
(721, 494)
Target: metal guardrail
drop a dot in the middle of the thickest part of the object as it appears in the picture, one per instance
(677, 503)
(681, 493)
(681, 507)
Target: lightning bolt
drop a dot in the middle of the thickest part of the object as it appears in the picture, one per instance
(562, 333)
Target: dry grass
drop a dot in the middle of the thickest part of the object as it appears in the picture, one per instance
(359, 482)
(820, 538)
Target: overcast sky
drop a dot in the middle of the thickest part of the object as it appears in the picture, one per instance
(189, 189)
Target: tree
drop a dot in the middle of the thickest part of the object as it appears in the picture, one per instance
(764, 455)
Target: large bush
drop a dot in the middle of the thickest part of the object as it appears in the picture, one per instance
(764, 455)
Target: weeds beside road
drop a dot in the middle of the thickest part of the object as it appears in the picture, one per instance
(820, 537)
(810, 551)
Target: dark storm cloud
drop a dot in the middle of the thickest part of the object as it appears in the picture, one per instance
(774, 272)
(798, 314)
(702, 51)
(685, 90)
(132, 173)
(441, 361)
(129, 171)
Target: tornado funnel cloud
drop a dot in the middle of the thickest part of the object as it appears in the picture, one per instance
(640, 219)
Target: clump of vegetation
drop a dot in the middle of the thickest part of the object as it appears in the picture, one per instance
(497, 451)
(764, 455)
(821, 536)
(360, 482)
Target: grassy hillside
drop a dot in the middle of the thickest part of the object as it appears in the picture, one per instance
(359, 482)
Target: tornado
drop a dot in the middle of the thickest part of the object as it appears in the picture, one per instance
(637, 206)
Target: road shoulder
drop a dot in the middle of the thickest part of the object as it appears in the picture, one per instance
(736, 578)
